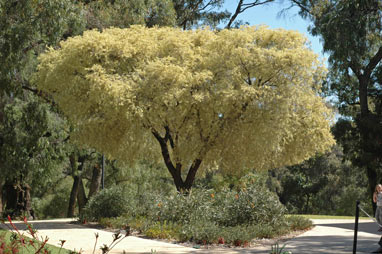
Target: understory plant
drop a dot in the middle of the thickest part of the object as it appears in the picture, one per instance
(231, 216)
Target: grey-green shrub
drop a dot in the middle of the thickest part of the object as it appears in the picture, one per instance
(107, 203)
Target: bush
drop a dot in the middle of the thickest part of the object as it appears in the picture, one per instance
(298, 222)
(108, 203)
(163, 230)
(201, 231)
(231, 216)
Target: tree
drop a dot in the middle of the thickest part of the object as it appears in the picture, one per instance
(240, 98)
(102, 14)
(192, 13)
(313, 186)
(351, 32)
(32, 151)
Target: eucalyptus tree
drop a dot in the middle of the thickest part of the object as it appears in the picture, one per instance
(351, 34)
(237, 98)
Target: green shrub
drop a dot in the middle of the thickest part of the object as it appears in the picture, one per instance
(162, 230)
(118, 222)
(298, 222)
(108, 203)
(53, 205)
(200, 231)
(232, 215)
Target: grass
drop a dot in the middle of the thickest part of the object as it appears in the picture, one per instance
(30, 250)
(314, 216)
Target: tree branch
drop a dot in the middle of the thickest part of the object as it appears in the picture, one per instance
(373, 62)
(192, 173)
(165, 152)
(39, 93)
(241, 7)
(302, 7)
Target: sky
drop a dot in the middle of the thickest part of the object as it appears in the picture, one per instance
(269, 15)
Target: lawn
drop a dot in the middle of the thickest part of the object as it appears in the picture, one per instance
(28, 249)
(314, 216)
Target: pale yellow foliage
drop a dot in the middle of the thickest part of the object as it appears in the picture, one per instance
(237, 98)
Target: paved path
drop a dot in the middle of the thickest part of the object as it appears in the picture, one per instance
(327, 237)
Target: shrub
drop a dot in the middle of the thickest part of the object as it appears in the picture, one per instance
(298, 222)
(163, 230)
(201, 231)
(107, 203)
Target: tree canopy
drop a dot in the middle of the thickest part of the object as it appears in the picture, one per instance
(351, 33)
(236, 98)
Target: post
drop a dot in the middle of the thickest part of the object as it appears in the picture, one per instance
(103, 173)
(356, 228)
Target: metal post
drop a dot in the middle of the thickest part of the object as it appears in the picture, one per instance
(103, 173)
(356, 228)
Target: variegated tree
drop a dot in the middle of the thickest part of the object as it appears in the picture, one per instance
(240, 98)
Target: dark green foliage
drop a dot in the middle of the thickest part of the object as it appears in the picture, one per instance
(32, 142)
(106, 204)
(351, 35)
(326, 184)
(26, 27)
(54, 203)
(298, 222)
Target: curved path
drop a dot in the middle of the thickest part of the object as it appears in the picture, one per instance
(328, 236)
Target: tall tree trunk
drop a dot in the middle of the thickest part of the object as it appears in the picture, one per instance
(96, 181)
(1, 197)
(81, 196)
(27, 202)
(372, 179)
(364, 129)
(73, 196)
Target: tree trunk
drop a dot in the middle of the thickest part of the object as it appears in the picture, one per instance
(27, 201)
(372, 178)
(176, 171)
(1, 197)
(363, 126)
(96, 181)
(73, 197)
(81, 196)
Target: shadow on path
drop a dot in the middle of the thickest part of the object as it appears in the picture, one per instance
(48, 224)
(367, 227)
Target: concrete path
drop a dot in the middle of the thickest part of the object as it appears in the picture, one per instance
(327, 237)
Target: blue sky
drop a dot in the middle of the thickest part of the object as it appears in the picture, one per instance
(269, 15)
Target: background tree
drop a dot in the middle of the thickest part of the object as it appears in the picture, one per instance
(351, 33)
(32, 152)
(324, 184)
(122, 13)
(237, 98)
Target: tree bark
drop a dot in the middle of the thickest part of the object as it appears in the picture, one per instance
(73, 197)
(372, 179)
(95, 182)
(27, 201)
(1, 197)
(176, 172)
(81, 196)
(364, 129)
